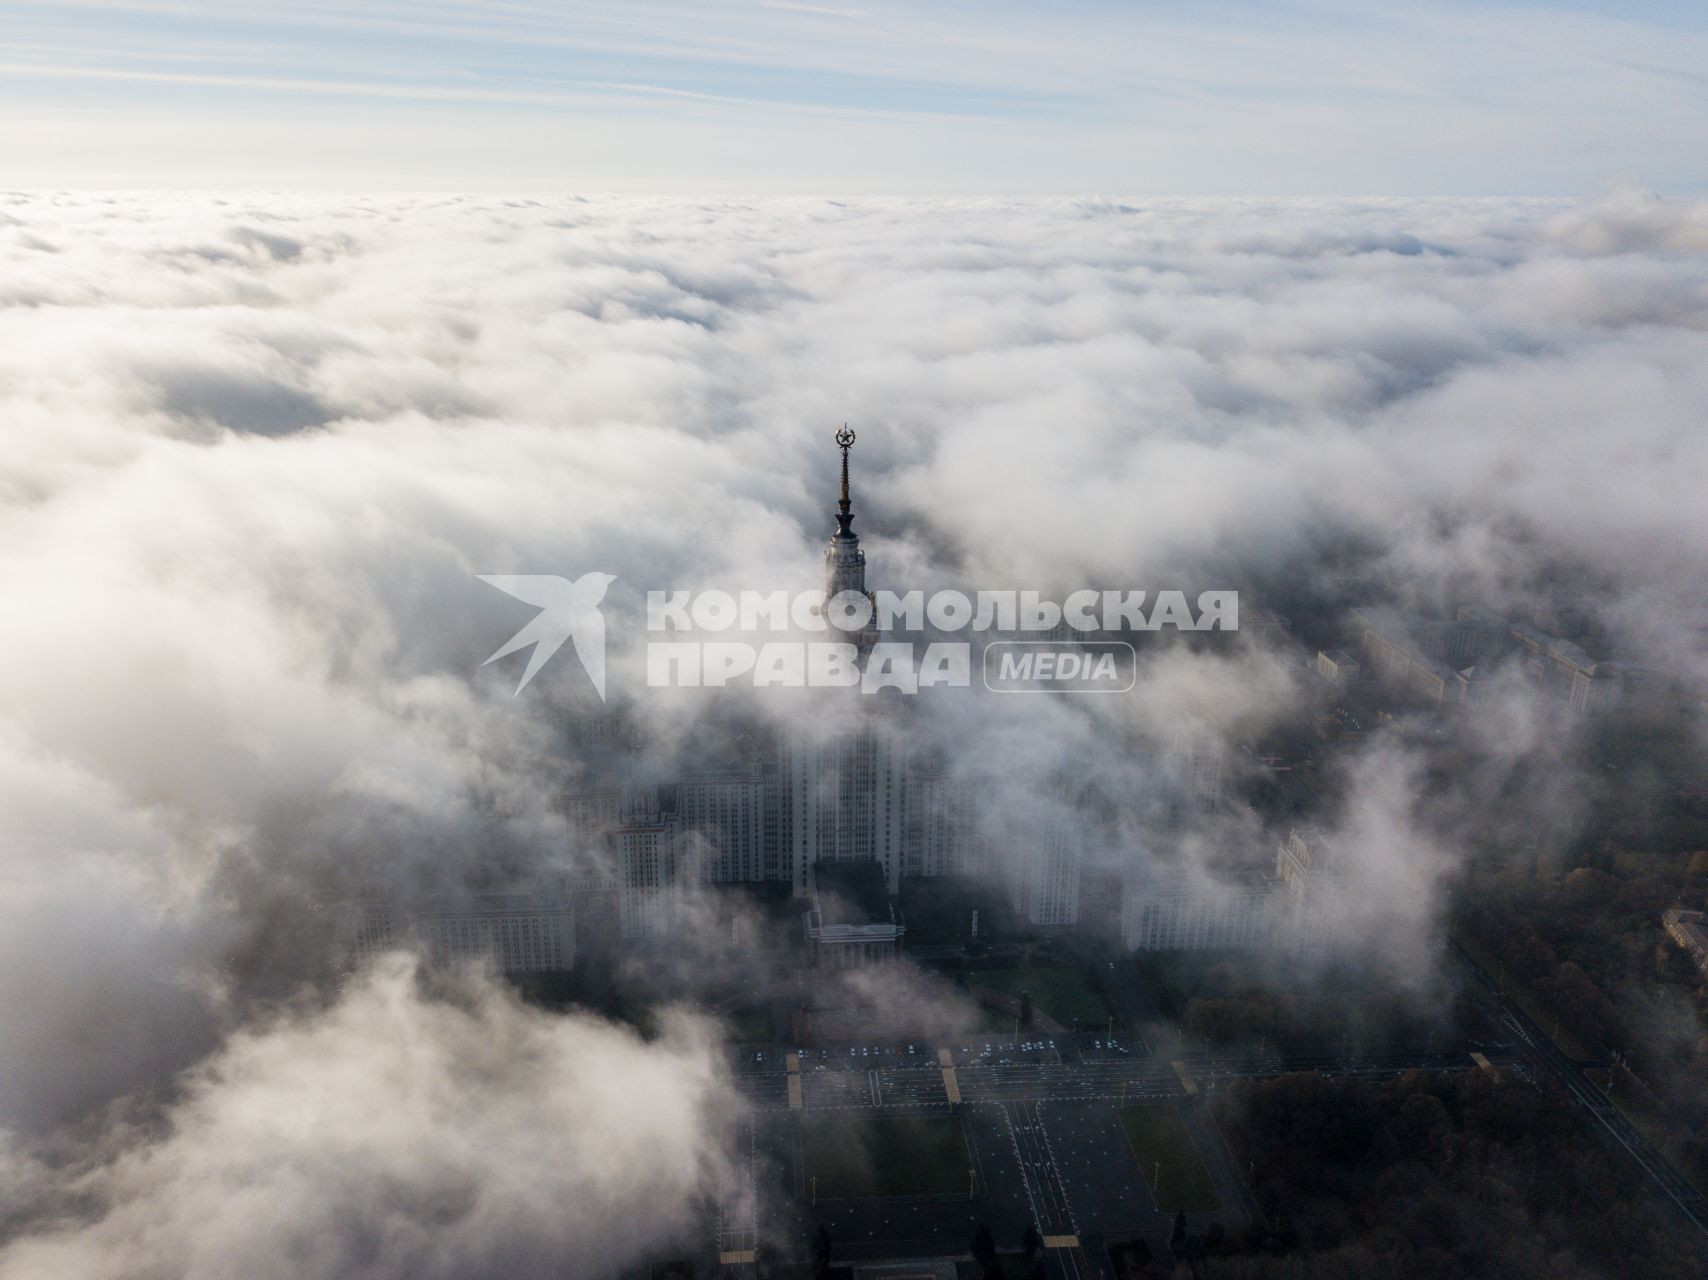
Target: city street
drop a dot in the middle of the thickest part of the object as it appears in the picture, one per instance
(1606, 1116)
(1043, 1131)
(1007, 1075)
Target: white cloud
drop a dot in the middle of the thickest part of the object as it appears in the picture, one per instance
(395, 1133)
(258, 448)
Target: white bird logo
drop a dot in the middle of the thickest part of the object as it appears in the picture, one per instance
(568, 611)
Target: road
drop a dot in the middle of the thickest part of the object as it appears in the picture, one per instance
(1077, 1185)
(1602, 1111)
(1045, 1194)
(1015, 1095)
(1051, 1076)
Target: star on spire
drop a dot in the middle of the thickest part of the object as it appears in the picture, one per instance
(844, 510)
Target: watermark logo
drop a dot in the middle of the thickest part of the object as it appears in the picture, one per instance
(873, 641)
(568, 611)
(1045, 666)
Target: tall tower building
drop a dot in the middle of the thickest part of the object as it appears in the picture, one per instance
(846, 791)
(844, 562)
(845, 786)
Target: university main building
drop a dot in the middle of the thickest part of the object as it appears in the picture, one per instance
(840, 811)
(839, 806)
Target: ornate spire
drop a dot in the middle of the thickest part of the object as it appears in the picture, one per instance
(844, 510)
(844, 562)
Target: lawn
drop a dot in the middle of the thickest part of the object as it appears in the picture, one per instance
(1170, 1163)
(856, 1155)
(751, 1025)
(1065, 994)
(939, 911)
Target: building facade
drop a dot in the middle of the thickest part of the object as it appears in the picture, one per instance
(1308, 888)
(847, 791)
(653, 878)
(517, 933)
(727, 811)
(850, 921)
(1044, 875)
(1689, 929)
(1158, 916)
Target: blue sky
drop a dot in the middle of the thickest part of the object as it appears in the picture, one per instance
(852, 96)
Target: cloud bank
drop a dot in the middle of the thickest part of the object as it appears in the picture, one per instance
(389, 1135)
(258, 448)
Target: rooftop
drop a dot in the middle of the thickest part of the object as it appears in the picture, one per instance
(851, 893)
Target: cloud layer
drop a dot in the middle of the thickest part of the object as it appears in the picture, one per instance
(388, 1135)
(258, 448)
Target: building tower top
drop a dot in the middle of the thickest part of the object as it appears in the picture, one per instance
(844, 562)
(844, 510)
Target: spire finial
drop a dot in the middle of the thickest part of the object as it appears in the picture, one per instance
(844, 517)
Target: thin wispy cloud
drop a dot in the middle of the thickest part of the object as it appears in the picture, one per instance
(1214, 98)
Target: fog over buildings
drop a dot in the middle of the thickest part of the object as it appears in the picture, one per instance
(259, 449)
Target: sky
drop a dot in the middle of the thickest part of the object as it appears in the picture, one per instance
(857, 96)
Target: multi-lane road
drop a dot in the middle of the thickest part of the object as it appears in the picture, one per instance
(1053, 1074)
(1015, 1096)
(1604, 1115)
(1043, 1131)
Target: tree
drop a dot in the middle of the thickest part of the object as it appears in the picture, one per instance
(984, 1251)
(1031, 1242)
(1177, 1238)
(1025, 1008)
